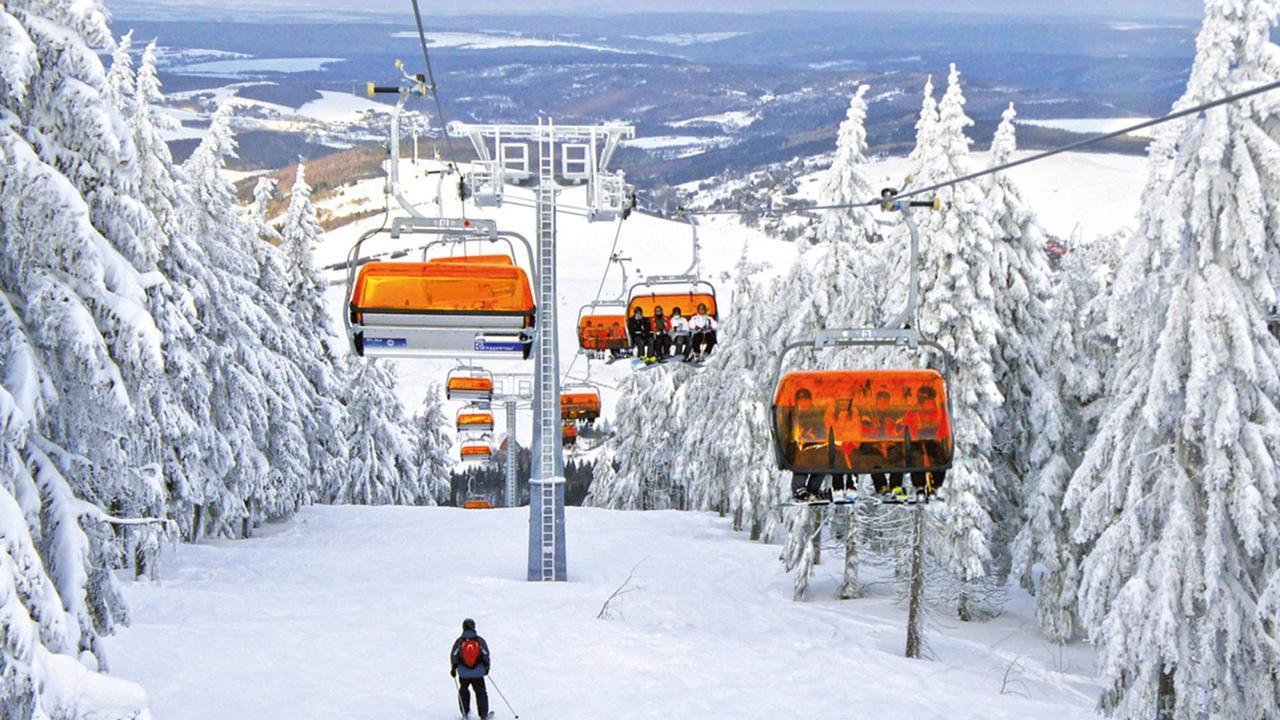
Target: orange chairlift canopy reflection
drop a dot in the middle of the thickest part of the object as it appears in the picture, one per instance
(863, 421)
(580, 405)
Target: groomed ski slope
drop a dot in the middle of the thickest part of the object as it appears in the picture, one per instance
(349, 612)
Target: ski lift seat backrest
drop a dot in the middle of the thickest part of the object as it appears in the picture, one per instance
(476, 504)
(603, 332)
(580, 405)
(862, 421)
(687, 302)
(475, 450)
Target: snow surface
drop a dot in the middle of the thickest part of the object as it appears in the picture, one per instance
(1090, 126)
(687, 39)
(349, 612)
(732, 120)
(255, 66)
(340, 107)
(495, 41)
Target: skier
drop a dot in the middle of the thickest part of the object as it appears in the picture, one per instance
(640, 331)
(469, 662)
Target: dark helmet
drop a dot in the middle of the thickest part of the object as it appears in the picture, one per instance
(657, 310)
(675, 311)
(804, 394)
(638, 311)
(469, 624)
(702, 308)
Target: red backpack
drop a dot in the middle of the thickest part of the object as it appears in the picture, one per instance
(470, 652)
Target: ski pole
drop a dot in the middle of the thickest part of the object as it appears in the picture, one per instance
(504, 697)
(457, 686)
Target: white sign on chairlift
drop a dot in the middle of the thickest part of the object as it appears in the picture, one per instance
(514, 157)
(575, 161)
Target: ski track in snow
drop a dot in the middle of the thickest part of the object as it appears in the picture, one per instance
(349, 612)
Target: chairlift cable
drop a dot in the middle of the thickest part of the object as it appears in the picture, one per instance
(1195, 110)
(431, 78)
(613, 249)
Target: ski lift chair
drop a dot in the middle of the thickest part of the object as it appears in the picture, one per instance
(669, 295)
(579, 403)
(476, 448)
(468, 382)
(884, 423)
(602, 327)
(452, 306)
(476, 503)
(894, 425)
(474, 418)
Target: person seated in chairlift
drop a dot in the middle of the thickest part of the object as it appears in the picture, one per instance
(703, 328)
(882, 441)
(660, 344)
(680, 336)
(614, 333)
(809, 430)
(846, 432)
(928, 428)
(640, 331)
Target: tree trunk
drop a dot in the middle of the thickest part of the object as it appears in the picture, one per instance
(817, 536)
(915, 595)
(1166, 697)
(195, 523)
(849, 588)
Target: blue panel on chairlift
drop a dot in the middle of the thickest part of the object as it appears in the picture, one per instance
(386, 343)
(483, 345)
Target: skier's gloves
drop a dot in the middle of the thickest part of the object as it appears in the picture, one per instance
(453, 672)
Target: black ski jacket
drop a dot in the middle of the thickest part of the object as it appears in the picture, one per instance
(455, 657)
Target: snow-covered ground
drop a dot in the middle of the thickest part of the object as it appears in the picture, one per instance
(254, 67)
(349, 612)
(1090, 126)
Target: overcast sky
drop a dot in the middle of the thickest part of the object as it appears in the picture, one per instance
(1127, 8)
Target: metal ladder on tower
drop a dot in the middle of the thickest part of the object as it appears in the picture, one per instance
(549, 407)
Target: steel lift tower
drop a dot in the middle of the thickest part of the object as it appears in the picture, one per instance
(585, 151)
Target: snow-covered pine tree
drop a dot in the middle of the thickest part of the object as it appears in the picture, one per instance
(380, 466)
(1030, 437)
(74, 333)
(957, 310)
(182, 403)
(234, 320)
(730, 394)
(311, 319)
(1179, 492)
(644, 450)
(120, 76)
(432, 447)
